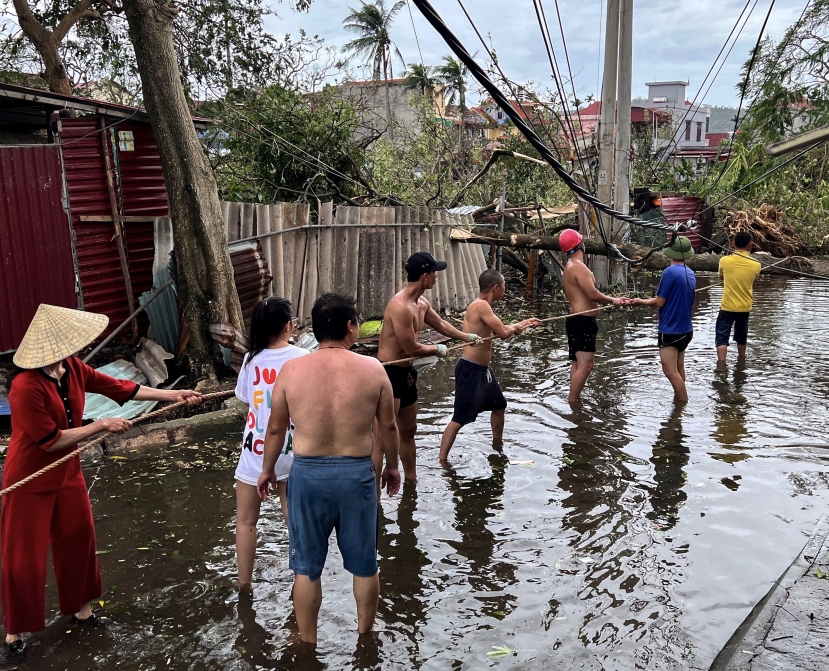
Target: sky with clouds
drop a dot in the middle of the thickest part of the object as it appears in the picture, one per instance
(672, 39)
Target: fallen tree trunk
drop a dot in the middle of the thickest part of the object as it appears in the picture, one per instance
(656, 260)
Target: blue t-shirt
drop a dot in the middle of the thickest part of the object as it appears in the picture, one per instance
(677, 288)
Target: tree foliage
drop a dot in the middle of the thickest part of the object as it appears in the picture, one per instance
(220, 43)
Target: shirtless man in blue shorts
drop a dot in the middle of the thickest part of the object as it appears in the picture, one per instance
(476, 389)
(332, 483)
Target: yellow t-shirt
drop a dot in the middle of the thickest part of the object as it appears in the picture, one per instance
(738, 271)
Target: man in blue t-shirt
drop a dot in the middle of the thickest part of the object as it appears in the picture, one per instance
(675, 300)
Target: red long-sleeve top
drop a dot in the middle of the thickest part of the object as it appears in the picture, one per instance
(41, 409)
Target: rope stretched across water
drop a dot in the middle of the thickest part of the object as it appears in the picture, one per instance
(225, 394)
(215, 396)
(556, 318)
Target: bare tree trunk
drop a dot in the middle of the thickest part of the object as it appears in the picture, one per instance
(205, 274)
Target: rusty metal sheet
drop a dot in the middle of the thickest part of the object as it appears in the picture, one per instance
(143, 191)
(36, 264)
(251, 275)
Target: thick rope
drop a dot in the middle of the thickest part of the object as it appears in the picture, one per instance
(215, 396)
(556, 318)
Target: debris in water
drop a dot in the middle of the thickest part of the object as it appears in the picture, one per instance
(500, 651)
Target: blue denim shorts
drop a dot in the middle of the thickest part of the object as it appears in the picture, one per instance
(327, 494)
(725, 321)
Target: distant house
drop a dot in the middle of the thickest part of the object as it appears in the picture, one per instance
(587, 119)
(690, 121)
(372, 105)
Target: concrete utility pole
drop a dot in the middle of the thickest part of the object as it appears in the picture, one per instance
(605, 137)
(619, 230)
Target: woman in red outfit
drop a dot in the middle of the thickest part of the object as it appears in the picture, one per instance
(47, 404)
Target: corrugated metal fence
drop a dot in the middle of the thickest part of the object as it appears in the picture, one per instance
(36, 261)
(356, 251)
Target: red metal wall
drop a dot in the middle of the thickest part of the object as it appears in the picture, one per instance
(142, 193)
(102, 283)
(679, 209)
(142, 182)
(36, 263)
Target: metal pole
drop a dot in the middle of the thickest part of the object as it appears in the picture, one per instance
(619, 230)
(606, 134)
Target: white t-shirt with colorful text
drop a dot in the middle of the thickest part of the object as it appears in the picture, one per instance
(254, 387)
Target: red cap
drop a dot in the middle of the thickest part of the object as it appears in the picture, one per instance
(569, 239)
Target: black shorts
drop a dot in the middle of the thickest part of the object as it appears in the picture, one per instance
(678, 340)
(476, 391)
(725, 321)
(403, 384)
(581, 334)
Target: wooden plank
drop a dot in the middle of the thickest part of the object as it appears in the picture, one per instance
(399, 232)
(375, 283)
(340, 248)
(455, 266)
(246, 229)
(325, 257)
(289, 252)
(263, 225)
(277, 245)
(428, 244)
(301, 245)
(310, 283)
(232, 221)
(357, 216)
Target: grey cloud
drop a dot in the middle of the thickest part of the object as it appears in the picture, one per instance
(672, 40)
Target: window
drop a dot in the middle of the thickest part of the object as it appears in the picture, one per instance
(699, 131)
(500, 114)
(688, 131)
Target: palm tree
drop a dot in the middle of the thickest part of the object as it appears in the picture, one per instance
(452, 74)
(420, 77)
(372, 23)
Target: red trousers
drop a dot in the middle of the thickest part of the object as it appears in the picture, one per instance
(29, 523)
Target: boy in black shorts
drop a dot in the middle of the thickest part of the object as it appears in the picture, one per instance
(476, 389)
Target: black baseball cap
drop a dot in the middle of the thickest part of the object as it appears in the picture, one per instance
(422, 263)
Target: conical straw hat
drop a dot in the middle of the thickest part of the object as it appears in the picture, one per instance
(55, 333)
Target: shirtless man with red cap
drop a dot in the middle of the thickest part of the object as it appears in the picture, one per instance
(580, 287)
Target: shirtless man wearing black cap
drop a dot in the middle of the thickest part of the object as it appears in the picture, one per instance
(406, 314)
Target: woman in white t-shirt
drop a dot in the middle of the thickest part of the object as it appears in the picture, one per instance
(271, 327)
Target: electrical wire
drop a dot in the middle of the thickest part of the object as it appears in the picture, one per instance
(508, 83)
(460, 51)
(743, 90)
(551, 55)
(674, 138)
(524, 127)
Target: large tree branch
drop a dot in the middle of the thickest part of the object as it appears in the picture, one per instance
(29, 24)
(72, 17)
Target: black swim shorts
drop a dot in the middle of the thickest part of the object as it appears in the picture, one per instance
(581, 334)
(403, 384)
(476, 391)
(678, 340)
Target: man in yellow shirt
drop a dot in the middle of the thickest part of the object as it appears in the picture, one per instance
(738, 271)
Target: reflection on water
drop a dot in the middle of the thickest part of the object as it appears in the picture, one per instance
(625, 534)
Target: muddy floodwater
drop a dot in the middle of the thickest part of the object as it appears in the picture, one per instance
(624, 535)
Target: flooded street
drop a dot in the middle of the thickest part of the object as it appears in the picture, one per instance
(624, 535)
